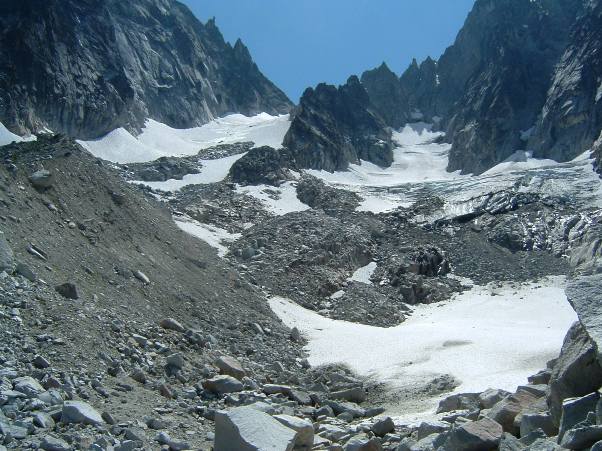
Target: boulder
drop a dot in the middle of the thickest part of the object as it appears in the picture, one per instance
(531, 421)
(230, 366)
(491, 397)
(80, 412)
(28, 386)
(222, 384)
(42, 179)
(585, 295)
(383, 426)
(171, 324)
(581, 437)
(262, 165)
(576, 410)
(355, 394)
(505, 411)
(50, 443)
(427, 428)
(303, 428)
(67, 290)
(577, 371)
(363, 443)
(246, 429)
(510, 443)
(7, 258)
(481, 435)
(460, 401)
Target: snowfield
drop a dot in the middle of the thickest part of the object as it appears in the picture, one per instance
(486, 337)
(7, 137)
(212, 235)
(279, 200)
(159, 140)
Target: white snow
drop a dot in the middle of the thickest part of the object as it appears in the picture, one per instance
(212, 171)
(485, 337)
(277, 200)
(520, 161)
(212, 235)
(159, 140)
(7, 137)
(364, 273)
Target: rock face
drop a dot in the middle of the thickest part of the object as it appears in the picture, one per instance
(127, 61)
(263, 165)
(333, 127)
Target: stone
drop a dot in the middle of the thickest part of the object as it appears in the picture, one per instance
(40, 362)
(80, 412)
(383, 426)
(42, 179)
(222, 384)
(481, 435)
(28, 386)
(142, 277)
(577, 371)
(230, 366)
(531, 421)
(575, 410)
(581, 437)
(14, 431)
(276, 389)
(175, 360)
(171, 324)
(340, 407)
(427, 428)
(505, 411)
(491, 397)
(510, 443)
(461, 401)
(304, 429)
(246, 429)
(67, 290)
(50, 443)
(7, 258)
(543, 445)
(363, 443)
(355, 394)
(542, 377)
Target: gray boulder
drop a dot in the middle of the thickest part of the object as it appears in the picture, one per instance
(481, 435)
(363, 443)
(67, 290)
(461, 401)
(222, 384)
(576, 410)
(231, 367)
(42, 179)
(303, 428)
(383, 426)
(585, 295)
(506, 411)
(7, 258)
(28, 386)
(80, 412)
(246, 429)
(491, 397)
(581, 437)
(355, 394)
(50, 443)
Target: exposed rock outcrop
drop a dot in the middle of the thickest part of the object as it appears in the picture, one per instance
(333, 127)
(261, 165)
(85, 68)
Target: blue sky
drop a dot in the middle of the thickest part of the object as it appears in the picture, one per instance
(300, 43)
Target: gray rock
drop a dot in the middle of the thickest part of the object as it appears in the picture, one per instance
(576, 410)
(246, 429)
(14, 431)
(230, 366)
(67, 290)
(7, 258)
(505, 411)
(50, 443)
(461, 401)
(383, 426)
(510, 443)
(176, 360)
(40, 362)
(42, 179)
(304, 429)
(80, 412)
(543, 445)
(491, 397)
(355, 394)
(28, 386)
(363, 443)
(427, 428)
(222, 384)
(340, 407)
(141, 277)
(581, 437)
(171, 324)
(481, 435)
(531, 421)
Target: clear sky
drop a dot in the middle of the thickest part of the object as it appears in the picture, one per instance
(300, 43)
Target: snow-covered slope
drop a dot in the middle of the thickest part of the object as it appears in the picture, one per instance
(485, 337)
(159, 140)
(6, 137)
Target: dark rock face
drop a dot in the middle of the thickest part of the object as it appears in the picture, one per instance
(261, 165)
(571, 118)
(333, 127)
(86, 67)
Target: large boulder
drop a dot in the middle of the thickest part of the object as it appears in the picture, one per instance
(482, 435)
(248, 429)
(7, 258)
(585, 295)
(460, 401)
(80, 412)
(222, 384)
(576, 410)
(262, 165)
(230, 366)
(577, 371)
(506, 411)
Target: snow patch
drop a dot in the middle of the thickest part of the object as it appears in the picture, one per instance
(520, 161)
(485, 337)
(159, 140)
(212, 171)
(212, 235)
(364, 273)
(279, 200)
(7, 137)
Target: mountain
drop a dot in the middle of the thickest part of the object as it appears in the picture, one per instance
(490, 86)
(86, 67)
(333, 127)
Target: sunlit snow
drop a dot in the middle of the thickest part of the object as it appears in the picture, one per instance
(277, 200)
(485, 337)
(364, 273)
(212, 235)
(159, 140)
(7, 137)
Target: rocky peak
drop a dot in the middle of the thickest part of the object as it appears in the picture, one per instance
(333, 127)
(87, 67)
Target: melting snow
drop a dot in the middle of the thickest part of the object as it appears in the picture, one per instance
(485, 337)
(159, 140)
(213, 236)
(213, 171)
(277, 200)
(364, 273)
(7, 137)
